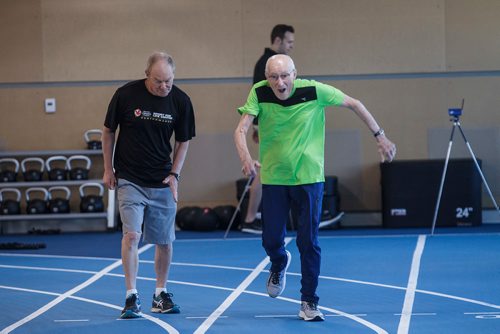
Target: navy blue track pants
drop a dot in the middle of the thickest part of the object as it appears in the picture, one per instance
(305, 202)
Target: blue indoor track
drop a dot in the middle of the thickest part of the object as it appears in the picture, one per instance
(372, 281)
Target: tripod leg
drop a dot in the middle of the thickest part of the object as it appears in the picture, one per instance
(442, 179)
(479, 168)
(247, 186)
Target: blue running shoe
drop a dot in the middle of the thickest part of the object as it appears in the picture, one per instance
(132, 307)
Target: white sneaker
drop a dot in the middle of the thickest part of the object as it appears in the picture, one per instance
(254, 227)
(309, 312)
(277, 280)
(330, 223)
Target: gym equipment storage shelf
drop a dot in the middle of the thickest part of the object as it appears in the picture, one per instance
(109, 213)
(44, 153)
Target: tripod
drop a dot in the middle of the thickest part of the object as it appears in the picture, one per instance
(238, 208)
(455, 116)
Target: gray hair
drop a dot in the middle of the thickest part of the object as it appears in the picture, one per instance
(159, 56)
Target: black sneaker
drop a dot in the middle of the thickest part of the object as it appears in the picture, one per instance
(132, 307)
(254, 227)
(164, 304)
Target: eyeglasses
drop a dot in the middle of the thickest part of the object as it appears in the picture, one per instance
(282, 76)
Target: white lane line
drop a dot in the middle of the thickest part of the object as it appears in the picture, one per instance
(48, 269)
(162, 324)
(295, 315)
(462, 299)
(69, 293)
(235, 294)
(353, 317)
(404, 321)
(340, 279)
(473, 313)
(221, 317)
(59, 257)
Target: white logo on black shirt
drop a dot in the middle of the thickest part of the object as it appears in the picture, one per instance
(154, 116)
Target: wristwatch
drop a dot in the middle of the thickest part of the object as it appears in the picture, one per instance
(177, 176)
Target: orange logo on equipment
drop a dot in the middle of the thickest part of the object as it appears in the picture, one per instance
(137, 112)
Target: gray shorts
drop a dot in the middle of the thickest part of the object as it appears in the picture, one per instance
(155, 207)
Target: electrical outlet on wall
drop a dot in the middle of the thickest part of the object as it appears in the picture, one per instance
(50, 105)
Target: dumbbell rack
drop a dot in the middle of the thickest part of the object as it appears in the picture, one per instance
(109, 215)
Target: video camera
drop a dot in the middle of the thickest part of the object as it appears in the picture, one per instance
(455, 113)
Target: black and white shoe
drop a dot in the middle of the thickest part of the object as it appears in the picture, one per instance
(254, 227)
(132, 307)
(164, 304)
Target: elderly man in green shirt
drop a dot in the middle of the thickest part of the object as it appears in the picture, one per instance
(291, 115)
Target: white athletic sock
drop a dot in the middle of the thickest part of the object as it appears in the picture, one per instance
(159, 290)
(131, 291)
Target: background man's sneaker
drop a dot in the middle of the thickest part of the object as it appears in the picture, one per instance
(164, 304)
(331, 223)
(132, 307)
(254, 227)
(277, 280)
(309, 312)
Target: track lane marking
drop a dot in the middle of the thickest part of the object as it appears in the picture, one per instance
(69, 294)
(234, 295)
(404, 321)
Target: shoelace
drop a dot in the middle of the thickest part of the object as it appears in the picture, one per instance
(312, 306)
(164, 298)
(275, 278)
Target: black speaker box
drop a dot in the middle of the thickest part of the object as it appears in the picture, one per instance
(331, 187)
(410, 191)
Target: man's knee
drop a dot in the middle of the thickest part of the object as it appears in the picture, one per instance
(131, 239)
(165, 248)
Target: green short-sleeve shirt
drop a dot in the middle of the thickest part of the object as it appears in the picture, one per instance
(292, 132)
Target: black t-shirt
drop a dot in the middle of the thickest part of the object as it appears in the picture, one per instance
(259, 71)
(147, 122)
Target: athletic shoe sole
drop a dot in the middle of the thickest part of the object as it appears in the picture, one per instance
(303, 316)
(172, 310)
(329, 222)
(251, 230)
(128, 314)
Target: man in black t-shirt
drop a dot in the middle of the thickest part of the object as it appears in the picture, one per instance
(147, 112)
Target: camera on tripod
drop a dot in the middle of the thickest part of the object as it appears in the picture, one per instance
(455, 112)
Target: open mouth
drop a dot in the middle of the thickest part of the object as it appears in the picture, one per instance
(281, 90)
